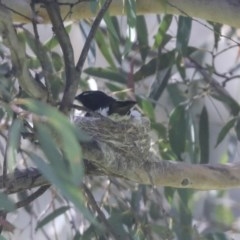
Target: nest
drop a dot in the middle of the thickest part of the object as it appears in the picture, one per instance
(124, 141)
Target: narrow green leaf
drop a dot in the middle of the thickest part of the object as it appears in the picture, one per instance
(176, 94)
(177, 130)
(161, 35)
(2, 237)
(228, 101)
(183, 34)
(130, 8)
(148, 109)
(106, 74)
(67, 188)
(57, 61)
(53, 42)
(160, 83)
(230, 124)
(65, 134)
(115, 42)
(48, 171)
(29, 38)
(52, 216)
(160, 129)
(217, 32)
(110, 26)
(104, 47)
(49, 147)
(163, 61)
(204, 136)
(85, 29)
(142, 36)
(13, 142)
(237, 129)
(6, 203)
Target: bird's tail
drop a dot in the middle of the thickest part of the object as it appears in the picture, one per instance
(121, 107)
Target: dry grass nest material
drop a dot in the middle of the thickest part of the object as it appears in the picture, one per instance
(121, 139)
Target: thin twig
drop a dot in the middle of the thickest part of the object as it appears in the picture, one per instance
(101, 215)
(16, 12)
(42, 56)
(72, 78)
(91, 34)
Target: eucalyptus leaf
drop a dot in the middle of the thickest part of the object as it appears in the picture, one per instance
(68, 189)
(63, 131)
(107, 73)
(160, 83)
(13, 144)
(183, 34)
(142, 36)
(115, 40)
(53, 41)
(237, 129)
(225, 130)
(148, 109)
(177, 130)
(204, 136)
(164, 61)
(6, 203)
(130, 8)
(102, 43)
(161, 35)
(50, 217)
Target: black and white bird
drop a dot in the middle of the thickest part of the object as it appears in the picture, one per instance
(98, 101)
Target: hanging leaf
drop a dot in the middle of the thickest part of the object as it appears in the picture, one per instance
(67, 188)
(6, 203)
(52, 216)
(103, 46)
(217, 32)
(62, 131)
(227, 100)
(161, 35)
(176, 94)
(85, 29)
(107, 73)
(148, 109)
(115, 40)
(13, 143)
(53, 41)
(142, 37)
(160, 83)
(237, 129)
(130, 8)
(183, 34)
(163, 61)
(177, 130)
(204, 136)
(228, 126)
(111, 27)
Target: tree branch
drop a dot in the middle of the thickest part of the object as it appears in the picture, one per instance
(90, 36)
(122, 149)
(222, 11)
(72, 78)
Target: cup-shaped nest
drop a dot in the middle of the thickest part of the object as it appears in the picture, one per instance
(122, 140)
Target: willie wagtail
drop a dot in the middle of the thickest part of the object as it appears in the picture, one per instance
(98, 101)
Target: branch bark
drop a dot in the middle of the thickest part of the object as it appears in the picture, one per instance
(122, 149)
(222, 11)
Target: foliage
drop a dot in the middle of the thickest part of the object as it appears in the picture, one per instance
(177, 72)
